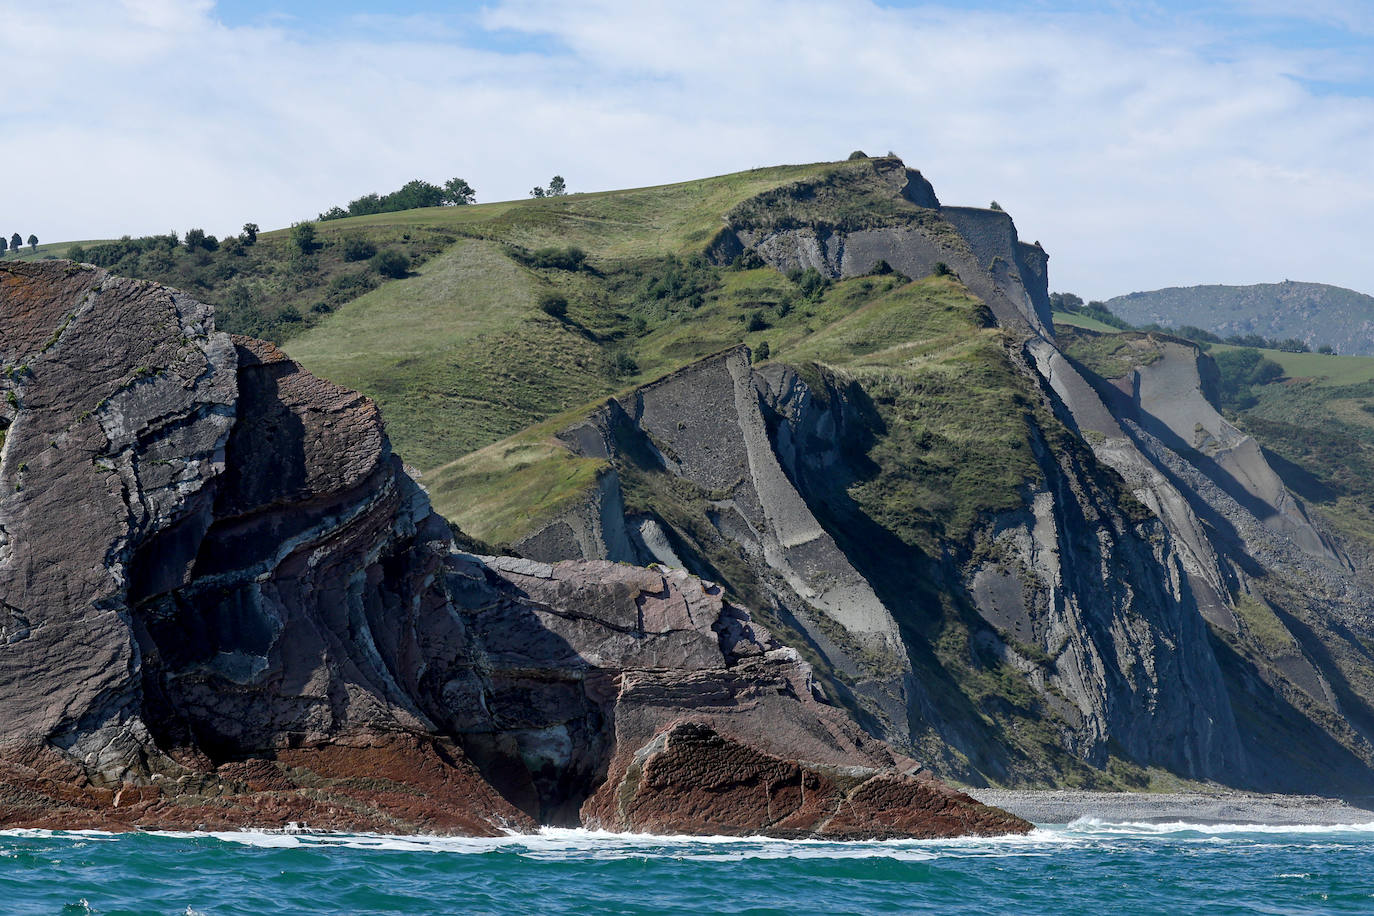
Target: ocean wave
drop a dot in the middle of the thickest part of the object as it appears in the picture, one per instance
(565, 844)
(1100, 826)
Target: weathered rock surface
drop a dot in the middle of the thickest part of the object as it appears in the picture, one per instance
(691, 779)
(225, 604)
(1158, 599)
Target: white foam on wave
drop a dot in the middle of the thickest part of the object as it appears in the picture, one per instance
(564, 844)
(1100, 826)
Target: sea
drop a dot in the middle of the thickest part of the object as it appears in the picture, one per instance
(1086, 867)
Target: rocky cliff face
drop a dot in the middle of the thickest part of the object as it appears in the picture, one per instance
(225, 604)
(1138, 600)
(843, 231)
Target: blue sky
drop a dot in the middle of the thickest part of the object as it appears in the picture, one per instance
(1144, 143)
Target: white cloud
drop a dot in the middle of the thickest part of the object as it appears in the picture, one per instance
(1139, 156)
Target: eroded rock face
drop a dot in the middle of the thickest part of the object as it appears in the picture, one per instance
(1158, 597)
(225, 605)
(691, 779)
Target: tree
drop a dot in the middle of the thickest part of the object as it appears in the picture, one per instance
(458, 192)
(858, 154)
(1065, 302)
(3, 245)
(195, 238)
(995, 206)
(537, 191)
(16, 242)
(33, 241)
(557, 186)
(249, 235)
(414, 195)
(303, 236)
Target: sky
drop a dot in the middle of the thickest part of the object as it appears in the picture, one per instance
(1144, 144)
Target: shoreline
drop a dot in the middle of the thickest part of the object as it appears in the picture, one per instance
(1063, 806)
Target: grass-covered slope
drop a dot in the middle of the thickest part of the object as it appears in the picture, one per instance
(542, 305)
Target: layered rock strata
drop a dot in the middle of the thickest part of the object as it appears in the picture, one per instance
(1158, 598)
(225, 605)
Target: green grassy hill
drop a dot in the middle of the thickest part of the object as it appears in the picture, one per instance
(461, 353)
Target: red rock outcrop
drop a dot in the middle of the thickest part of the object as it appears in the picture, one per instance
(707, 723)
(691, 779)
(224, 604)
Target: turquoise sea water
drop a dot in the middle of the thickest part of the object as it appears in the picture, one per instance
(1087, 867)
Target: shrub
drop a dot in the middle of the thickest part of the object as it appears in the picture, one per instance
(391, 263)
(880, 268)
(944, 270)
(756, 322)
(356, 248)
(811, 282)
(762, 351)
(858, 154)
(570, 258)
(302, 236)
(623, 364)
(747, 260)
(76, 253)
(553, 305)
(1241, 370)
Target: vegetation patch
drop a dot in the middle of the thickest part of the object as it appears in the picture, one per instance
(500, 493)
(1110, 355)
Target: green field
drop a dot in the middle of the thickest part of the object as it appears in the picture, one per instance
(1329, 371)
(1083, 321)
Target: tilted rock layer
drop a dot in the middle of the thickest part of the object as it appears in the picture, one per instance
(1148, 593)
(225, 604)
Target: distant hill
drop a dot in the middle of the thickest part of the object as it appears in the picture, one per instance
(1313, 312)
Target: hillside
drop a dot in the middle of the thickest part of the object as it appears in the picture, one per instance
(955, 522)
(1315, 313)
(1025, 556)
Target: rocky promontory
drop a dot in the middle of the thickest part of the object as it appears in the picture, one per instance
(223, 603)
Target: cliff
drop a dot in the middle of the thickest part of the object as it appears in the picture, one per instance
(226, 604)
(1020, 558)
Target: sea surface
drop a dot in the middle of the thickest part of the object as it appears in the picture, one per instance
(1087, 867)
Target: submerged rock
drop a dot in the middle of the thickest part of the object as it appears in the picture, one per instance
(226, 605)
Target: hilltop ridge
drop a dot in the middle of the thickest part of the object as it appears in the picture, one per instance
(1315, 313)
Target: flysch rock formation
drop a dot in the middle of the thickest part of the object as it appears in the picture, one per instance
(226, 605)
(1138, 594)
